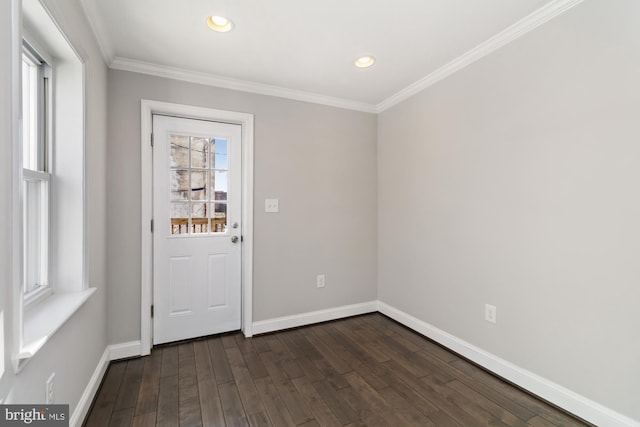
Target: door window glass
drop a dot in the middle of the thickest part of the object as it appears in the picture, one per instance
(198, 185)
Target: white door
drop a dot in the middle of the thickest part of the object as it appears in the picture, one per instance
(197, 229)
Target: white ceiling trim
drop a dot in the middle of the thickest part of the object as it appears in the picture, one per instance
(236, 84)
(528, 23)
(520, 28)
(98, 29)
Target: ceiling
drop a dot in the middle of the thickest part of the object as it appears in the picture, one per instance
(306, 49)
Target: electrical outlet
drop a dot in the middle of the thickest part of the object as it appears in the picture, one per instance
(320, 281)
(50, 389)
(490, 313)
(271, 205)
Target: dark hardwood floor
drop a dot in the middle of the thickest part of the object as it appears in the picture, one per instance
(361, 371)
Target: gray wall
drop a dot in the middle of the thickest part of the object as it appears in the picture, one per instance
(74, 351)
(515, 182)
(320, 162)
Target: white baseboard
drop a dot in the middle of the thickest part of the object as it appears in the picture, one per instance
(552, 392)
(303, 319)
(125, 350)
(77, 418)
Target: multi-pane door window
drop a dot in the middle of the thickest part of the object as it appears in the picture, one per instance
(36, 177)
(198, 185)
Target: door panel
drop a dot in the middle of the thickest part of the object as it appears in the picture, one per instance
(196, 198)
(179, 285)
(217, 280)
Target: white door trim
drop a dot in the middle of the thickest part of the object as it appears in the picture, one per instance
(148, 108)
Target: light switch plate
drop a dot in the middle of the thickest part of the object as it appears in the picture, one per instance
(271, 205)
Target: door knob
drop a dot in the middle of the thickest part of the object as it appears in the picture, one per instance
(234, 239)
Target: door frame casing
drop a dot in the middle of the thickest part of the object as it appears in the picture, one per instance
(245, 120)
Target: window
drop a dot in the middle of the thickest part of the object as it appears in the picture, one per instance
(36, 177)
(48, 183)
(199, 169)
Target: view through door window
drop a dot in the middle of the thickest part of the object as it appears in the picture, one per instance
(198, 185)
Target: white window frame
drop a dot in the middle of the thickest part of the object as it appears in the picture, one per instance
(41, 289)
(37, 115)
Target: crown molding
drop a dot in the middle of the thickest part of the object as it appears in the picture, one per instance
(515, 31)
(136, 66)
(520, 28)
(95, 22)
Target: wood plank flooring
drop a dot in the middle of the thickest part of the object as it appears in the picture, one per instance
(361, 371)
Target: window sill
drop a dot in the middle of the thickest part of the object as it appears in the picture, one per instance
(44, 319)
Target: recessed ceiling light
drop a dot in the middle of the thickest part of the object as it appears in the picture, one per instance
(365, 61)
(219, 23)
